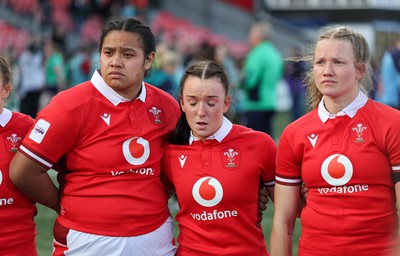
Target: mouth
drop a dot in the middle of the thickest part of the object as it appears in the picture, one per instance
(328, 82)
(201, 124)
(115, 74)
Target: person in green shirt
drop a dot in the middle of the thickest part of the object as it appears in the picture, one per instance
(54, 71)
(262, 71)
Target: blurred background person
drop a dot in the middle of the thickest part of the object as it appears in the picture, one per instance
(222, 57)
(295, 70)
(389, 92)
(79, 65)
(262, 70)
(32, 77)
(55, 72)
(163, 75)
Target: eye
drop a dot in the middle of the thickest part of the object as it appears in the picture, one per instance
(212, 103)
(107, 52)
(128, 55)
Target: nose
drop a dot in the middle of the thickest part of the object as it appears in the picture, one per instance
(328, 70)
(201, 110)
(116, 61)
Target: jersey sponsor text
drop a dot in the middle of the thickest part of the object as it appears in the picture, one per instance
(344, 189)
(141, 171)
(214, 215)
(6, 201)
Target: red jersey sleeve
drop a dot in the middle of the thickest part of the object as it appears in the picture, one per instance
(53, 134)
(389, 142)
(265, 152)
(288, 169)
(393, 146)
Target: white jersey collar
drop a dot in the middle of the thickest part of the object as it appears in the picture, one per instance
(219, 135)
(99, 83)
(350, 110)
(5, 117)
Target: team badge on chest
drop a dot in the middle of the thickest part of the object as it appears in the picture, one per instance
(156, 115)
(231, 157)
(12, 142)
(359, 133)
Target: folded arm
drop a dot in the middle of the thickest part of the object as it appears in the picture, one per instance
(34, 181)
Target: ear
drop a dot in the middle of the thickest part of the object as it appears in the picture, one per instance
(227, 103)
(6, 91)
(149, 60)
(361, 70)
(182, 103)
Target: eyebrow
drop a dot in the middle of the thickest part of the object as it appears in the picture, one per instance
(210, 96)
(334, 58)
(123, 49)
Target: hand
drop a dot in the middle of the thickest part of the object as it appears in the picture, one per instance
(263, 198)
(303, 200)
(303, 195)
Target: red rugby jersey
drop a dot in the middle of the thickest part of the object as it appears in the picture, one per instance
(109, 155)
(217, 186)
(347, 162)
(17, 232)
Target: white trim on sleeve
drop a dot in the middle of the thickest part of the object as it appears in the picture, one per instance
(37, 158)
(291, 181)
(269, 184)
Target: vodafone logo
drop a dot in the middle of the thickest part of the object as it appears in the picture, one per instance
(337, 170)
(136, 150)
(207, 191)
(1, 177)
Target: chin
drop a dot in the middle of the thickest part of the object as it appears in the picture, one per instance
(202, 134)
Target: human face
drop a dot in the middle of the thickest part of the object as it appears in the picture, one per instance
(335, 73)
(123, 63)
(204, 103)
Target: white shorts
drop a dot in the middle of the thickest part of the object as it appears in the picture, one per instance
(159, 242)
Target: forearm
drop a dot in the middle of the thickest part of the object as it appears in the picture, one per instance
(40, 188)
(285, 211)
(397, 191)
(281, 241)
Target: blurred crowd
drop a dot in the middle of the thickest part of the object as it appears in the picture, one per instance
(65, 54)
(65, 50)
